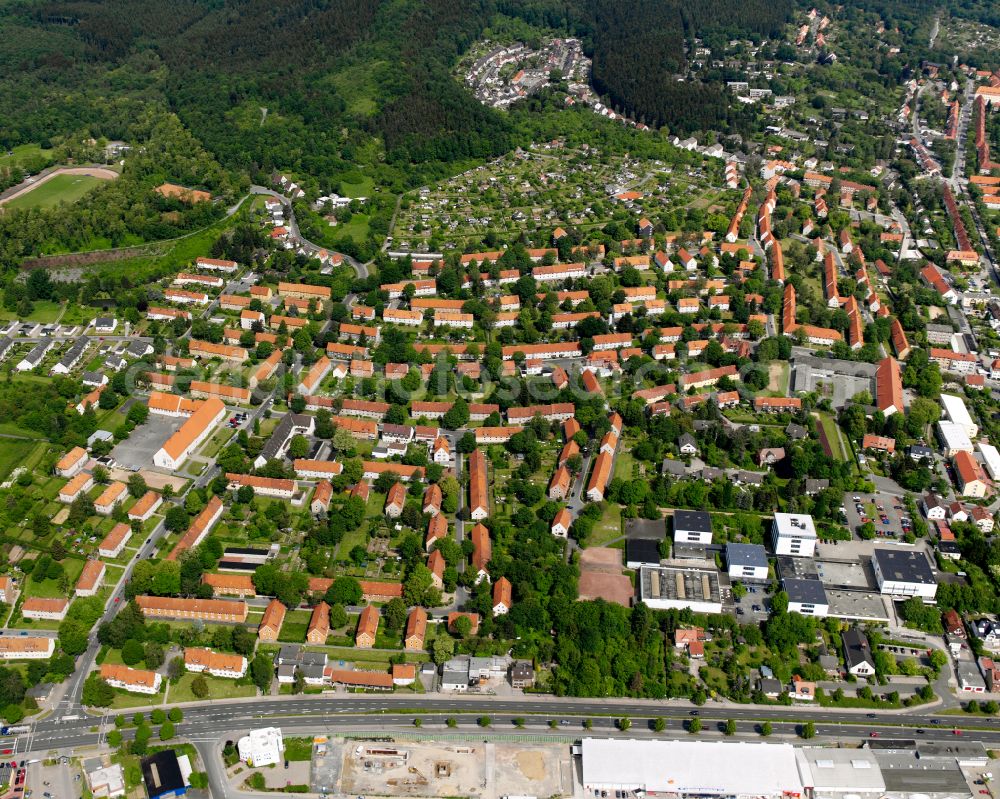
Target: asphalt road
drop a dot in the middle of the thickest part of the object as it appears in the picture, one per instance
(214, 719)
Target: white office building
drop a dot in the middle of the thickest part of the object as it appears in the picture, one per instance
(747, 562)
(263, 747)
(793, 534)
(692, 527)
(806, 596)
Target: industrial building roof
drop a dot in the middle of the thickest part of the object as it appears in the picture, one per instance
(840, 770)
(692, 767)
(904, 566)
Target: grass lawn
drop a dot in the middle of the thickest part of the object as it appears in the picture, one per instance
(11, 429)
(351, 539)
(23, 153)
(217, 442)
(292, 632)
(45, 311)
(124, 700)
(50, 588)
(13, 453)
(366, 656)
(60, 189)
(364, 188)
(356, 229)
(298, 748)
(79, 315)
(608, 528)
(833, 435)
(624, 466)
(218, 688)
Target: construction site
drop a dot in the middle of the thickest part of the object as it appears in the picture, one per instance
(431, 769)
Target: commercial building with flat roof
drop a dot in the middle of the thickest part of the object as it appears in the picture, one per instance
(955, 411)
(904, 573)
(807, 597)
(839, 773)
(665, 587)
(793, 534)
(165, 774)
(692, 527)
(690, 768)
(747, 562)
(953, 438)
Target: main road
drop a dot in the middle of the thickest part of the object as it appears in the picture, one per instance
(210, 720)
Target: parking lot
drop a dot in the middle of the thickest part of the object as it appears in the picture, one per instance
(137, 451)
(55, 781)
(752, 607)
(884, 511)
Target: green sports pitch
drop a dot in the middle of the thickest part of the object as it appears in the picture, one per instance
(61, 188)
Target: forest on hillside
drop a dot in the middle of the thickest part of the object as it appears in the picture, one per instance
(323, 86)
(333, 74)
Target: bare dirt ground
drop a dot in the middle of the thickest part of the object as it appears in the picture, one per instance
(154, 480)
(530, 770)
(429, 769)
(775, 375)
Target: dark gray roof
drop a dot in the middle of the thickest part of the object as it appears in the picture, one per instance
(746, 555)
(138, 348)
(795, 431)
(38, 351)
(646, 528)
(288, 652)
(674, 468)
(814, 484)
(905, 771)
(856, 648)
(805, 591)
(904, 566)
(74, 353)
(750, 478)
(313, 658)
(642, 550)
(695, 520)
(162, 773)
(284, 431)
(522, 668)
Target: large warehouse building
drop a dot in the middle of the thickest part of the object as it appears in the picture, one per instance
(690, 768)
